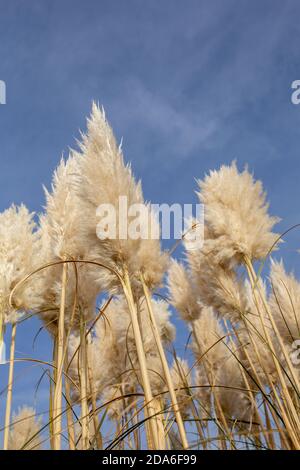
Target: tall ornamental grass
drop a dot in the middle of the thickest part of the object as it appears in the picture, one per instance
(115, 378)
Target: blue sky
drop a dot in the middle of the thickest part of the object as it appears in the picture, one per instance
(188, 85)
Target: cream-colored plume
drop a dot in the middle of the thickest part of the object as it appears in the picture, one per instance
(17, 236)
(285, 302)
(24, 434)
(60, 239)
(218, 286)
(237, 214)
(104, 180)
(183, 293)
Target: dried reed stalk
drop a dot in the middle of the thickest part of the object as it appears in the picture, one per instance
(142, 360)
(97, 433)
(83, 387)
(69, 413)
(165, 366)
(10, 385)
(57, 399)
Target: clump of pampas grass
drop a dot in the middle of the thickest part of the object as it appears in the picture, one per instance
(236, 382)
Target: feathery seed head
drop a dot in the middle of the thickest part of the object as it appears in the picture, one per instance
(237, 213)
(25, 426)
(17, 236)
(285, 302)
(183, 292)
(104, 179)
